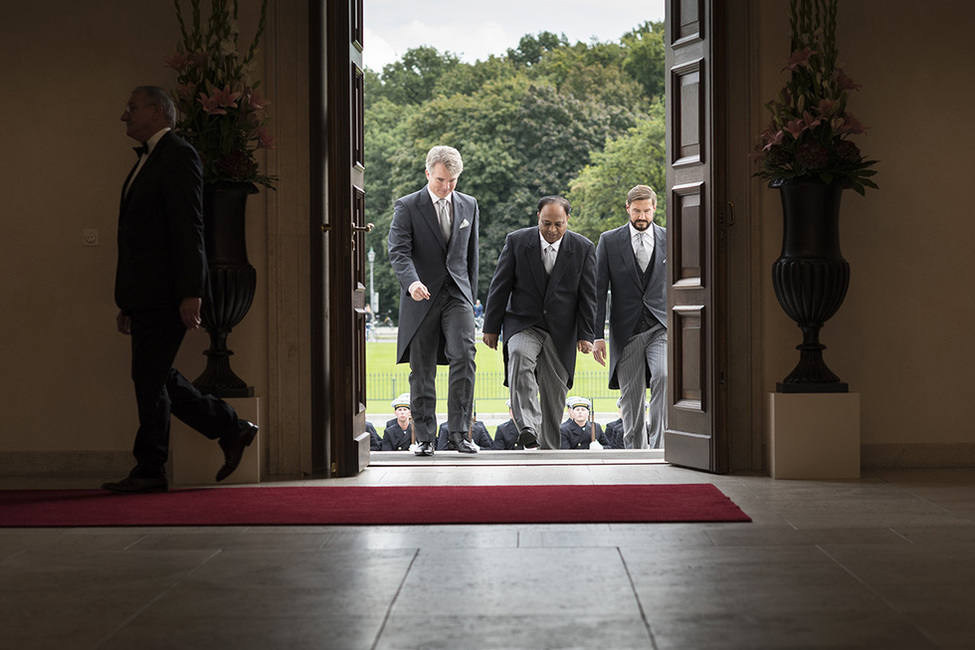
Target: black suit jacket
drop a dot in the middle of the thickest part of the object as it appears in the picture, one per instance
(522, 295)
(161, 258)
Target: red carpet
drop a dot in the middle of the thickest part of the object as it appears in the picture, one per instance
(269, 506)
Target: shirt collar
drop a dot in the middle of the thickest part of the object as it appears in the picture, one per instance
(545, 244)
(435, 198)
(634, 232)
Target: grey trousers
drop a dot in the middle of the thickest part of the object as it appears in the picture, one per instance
(455, 318)
(538, 382)
(644, 352)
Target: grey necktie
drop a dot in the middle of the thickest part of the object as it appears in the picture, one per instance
(548, 259)
(642, 254)
(444, 219)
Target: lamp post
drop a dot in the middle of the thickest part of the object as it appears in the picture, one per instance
(373, 298)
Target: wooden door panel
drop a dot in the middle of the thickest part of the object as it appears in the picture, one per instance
(341, 322)
(692, 137)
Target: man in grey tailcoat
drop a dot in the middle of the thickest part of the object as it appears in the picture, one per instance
(433, 250)
(631, 263)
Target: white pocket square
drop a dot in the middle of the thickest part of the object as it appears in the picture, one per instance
(465, 223)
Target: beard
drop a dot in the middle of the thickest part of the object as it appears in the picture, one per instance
(640, 224)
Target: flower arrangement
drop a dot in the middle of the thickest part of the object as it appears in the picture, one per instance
(808, 136)
(222, 113)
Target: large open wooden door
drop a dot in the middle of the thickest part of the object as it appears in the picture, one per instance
(694, 38)
(340, 444)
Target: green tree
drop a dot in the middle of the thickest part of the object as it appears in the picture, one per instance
(413, 78)
(598, 193)
(532, 47)
(644, 60)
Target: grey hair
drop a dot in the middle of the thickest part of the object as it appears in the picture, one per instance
(159, 97)
(448, 157)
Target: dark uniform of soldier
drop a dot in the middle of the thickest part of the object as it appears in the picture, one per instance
(375, 442)
(479, 432)
(614, 434)
(577, 430)
(399, 431)
(506, 435)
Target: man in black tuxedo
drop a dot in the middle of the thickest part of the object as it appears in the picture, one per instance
(433, 250)
(159, 284)
(543, 297)
(631, 263)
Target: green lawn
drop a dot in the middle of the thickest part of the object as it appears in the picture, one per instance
(385, 380)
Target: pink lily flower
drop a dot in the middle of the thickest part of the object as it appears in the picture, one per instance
(853, 125)
(773, 140)
(226, 98)
(795, 127)
(799, 58)
(264, 140)
(256, 102)
(845, 83)
(210, 105)
(178, 61)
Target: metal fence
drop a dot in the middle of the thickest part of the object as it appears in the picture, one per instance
(490, 392)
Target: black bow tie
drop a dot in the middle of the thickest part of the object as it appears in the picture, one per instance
(141, 151)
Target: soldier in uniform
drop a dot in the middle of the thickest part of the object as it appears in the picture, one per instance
(399, 431)
(614, 432)
(577, 430)
(375, 442)
(479, 432)
(506, 435)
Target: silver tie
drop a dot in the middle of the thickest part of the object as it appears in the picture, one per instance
(642, 254)
(444, 219)
(549, 258)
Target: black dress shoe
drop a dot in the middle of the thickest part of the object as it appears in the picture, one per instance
(528, 439)
(424, 449)
(136, 485)
(233, 450)
(459, 442)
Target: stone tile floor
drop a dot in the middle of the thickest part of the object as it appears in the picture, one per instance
(887, 561)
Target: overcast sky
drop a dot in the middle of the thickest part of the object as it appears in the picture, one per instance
(474, 29)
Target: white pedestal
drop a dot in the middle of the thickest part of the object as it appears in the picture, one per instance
(814, 435)
(196, 458)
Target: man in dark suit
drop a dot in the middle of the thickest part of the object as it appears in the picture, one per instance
(159, 285)
(631, 263)
(433, 250)
(543, 297)
(506, 435)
